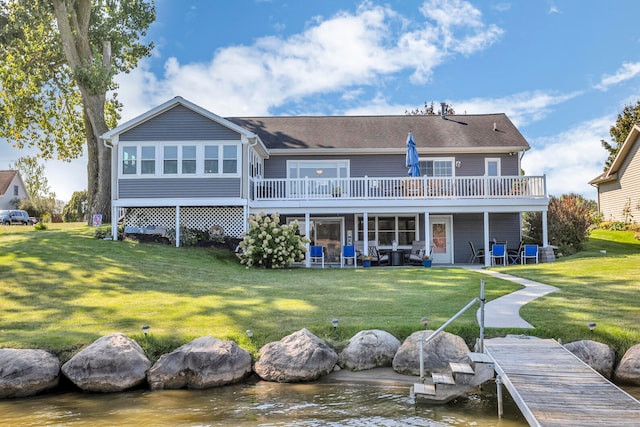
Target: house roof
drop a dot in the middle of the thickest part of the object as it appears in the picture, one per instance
(455, 133)
(6, 178)
(611, 174)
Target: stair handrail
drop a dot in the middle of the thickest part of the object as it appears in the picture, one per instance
(431, 337)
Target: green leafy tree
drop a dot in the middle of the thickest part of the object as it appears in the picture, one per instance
(76, 209)
(57, 63)
(32, 173)
(624, 123)
(270, 244)
(569, 219)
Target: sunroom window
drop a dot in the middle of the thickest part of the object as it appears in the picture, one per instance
(170, 162)
(129, 158)
(148, 160)
(325, 176)
(189, 159)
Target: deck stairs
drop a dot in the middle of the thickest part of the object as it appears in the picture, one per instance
(461, 377)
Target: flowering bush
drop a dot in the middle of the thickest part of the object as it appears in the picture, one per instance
(271, 245)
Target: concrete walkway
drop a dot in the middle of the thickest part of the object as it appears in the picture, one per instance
(504, 312)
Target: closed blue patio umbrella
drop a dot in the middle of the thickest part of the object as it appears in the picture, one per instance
(413, 163)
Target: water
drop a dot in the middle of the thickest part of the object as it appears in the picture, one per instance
(258, 404)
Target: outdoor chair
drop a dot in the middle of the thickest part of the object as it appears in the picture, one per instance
(348, 252)
(376, 257)
(498, 251)
(476, 255)
(417, 252)
(316, 255)
(529, 251)
(514, 254)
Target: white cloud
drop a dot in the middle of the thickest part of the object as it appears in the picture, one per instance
(570, 159)
(337, 54)
(628, 71)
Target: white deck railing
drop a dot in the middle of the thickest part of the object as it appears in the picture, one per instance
(399, 188)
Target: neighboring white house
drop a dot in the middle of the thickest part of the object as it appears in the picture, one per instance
(344, 178)
(12, 189)
(619, 186)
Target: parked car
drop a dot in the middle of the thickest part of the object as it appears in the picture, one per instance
(15, 216)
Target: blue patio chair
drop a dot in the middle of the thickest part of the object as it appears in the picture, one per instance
(348, 252)
(498, 251)
(316, 253)
(529, 251)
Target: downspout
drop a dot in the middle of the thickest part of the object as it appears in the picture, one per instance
(248, 199)
(114, 215)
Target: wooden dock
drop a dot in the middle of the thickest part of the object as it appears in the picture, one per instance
(552, 387)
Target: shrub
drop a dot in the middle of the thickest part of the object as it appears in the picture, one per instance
(570, 217)
(270, 244)
(188, 236)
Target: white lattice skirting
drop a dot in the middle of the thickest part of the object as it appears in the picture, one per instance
(230, 218)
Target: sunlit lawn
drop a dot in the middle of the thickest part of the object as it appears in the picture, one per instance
(61, 288)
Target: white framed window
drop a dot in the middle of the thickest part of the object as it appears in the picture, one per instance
(188, 160)
(129, 160)
(148, 160)
(325, 176)
(170, 160)
(437, 166)
(492, 167)
(178, 159)
(387, 228)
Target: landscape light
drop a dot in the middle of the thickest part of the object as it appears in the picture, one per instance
(592, 326)
(250, 333)
(145, 329)
(334, 322)
(424, 321)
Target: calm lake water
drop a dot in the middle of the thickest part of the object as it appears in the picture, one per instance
(260, 404)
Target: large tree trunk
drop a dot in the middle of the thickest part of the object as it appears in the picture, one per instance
(73, 25)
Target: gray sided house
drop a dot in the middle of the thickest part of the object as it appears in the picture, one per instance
(343, 178)
(619, 186)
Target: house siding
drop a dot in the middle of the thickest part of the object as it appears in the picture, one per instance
(178, 188)
(469, 227)
(179, 124)
(625, 191)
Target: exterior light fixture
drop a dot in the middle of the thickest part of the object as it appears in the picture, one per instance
(334, 322)
(424, 321)
(592, 326)
(458, 163)
(145, 329)
(250, 333)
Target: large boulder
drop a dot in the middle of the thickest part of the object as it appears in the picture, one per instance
(595, 354)
(438, 353)
(27, 372)
(204, 362)
(628, 371)
(300, 356)
(369, 349)
(111, 363)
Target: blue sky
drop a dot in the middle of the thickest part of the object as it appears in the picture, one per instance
(561, 70)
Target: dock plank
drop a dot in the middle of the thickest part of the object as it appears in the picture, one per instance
(552, 387)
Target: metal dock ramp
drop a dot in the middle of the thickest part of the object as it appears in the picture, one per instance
(552, 387)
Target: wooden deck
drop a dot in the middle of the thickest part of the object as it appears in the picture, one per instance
(552, 387)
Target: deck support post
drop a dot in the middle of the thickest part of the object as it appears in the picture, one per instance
(499, 394)
(482, 301)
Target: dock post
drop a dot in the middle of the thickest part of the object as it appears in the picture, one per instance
(421, 361)
(481, 350)
(499, 394)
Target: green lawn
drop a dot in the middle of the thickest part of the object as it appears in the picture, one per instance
(61, 288)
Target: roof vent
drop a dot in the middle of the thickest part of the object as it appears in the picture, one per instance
(443, 108)
(495, 126)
